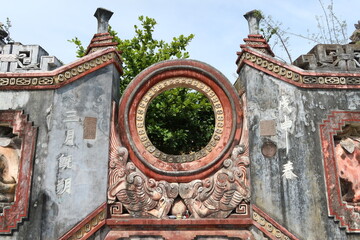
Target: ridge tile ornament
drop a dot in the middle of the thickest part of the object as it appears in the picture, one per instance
(103, 16)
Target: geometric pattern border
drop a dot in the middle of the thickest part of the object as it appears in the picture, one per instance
(87, 227)
(337, 208)
(294, 75)
(62, 75)
(269, 226)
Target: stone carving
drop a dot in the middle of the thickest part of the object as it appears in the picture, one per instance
(347, 154)
(218, 195)
(339, 137)
(24, 61)
(16, 134)
(10, 146)
(355, 37)
(5, 33)
(331, 56)
(141, 196)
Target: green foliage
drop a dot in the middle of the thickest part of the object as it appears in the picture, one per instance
(258, 14)
(143, 50)
(272, 30)
(180, 121)
(80, 50)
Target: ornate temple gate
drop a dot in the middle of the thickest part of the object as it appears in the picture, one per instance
(207, 192)
(293, 130)
(202, 195)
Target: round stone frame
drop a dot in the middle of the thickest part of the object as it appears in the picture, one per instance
(159, 88)
(155, 80)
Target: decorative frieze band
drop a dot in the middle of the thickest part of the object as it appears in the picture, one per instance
(60, 76)
(270, 227)
(88, 226)
(296, 76)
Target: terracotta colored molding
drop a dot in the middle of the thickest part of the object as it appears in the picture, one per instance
(18, 210)
(87, 227)
(192, 223)
(269, 226)
(259, 43)
(168, 234)
(62, 75)
(294, 75)
(184, 73)
(101, 41)
(343, 212)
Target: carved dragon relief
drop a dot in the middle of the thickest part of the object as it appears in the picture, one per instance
(141, 196)
(132, 191)
(218, 195)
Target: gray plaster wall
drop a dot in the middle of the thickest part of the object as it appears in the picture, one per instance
(35, 104)
(52, 211)
(298, 204)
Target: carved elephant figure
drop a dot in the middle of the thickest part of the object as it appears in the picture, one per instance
(9, 165)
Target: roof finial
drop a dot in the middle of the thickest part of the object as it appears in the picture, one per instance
(355, 37)
(103, 15)
(253, 17)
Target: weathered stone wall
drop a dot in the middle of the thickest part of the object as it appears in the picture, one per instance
(60, 114)
(299, 204)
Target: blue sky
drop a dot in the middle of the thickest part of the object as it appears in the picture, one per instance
(219, 26)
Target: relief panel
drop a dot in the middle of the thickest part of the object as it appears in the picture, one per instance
(17, 144)
(341, 156)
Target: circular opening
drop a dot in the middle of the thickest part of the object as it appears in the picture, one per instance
(180, 121)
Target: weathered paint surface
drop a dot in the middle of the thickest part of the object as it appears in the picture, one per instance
(299, 203)
(53, 212)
